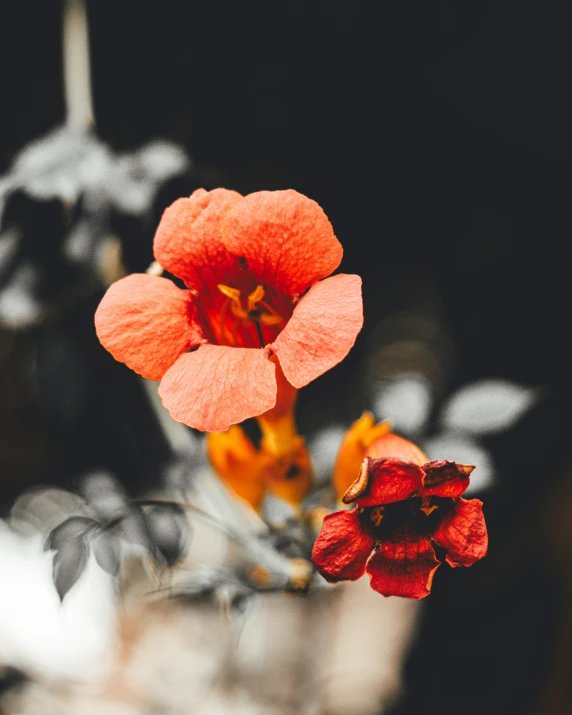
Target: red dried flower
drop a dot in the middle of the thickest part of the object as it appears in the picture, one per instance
(404, 508)
(253, 267)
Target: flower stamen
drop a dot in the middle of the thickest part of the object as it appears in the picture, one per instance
(376, 515)
(426, 507)
(235, 304)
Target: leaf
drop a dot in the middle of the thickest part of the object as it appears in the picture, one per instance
(70, 530)
(104, 494)
(133, 529)
(107, 550)
(169, 531)
(68, 565)
(462, 448)
(406, 401)
(488, 406)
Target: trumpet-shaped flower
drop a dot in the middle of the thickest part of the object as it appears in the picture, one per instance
(257, 302)
(405, 507)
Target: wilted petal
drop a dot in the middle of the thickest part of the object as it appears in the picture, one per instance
(403, 565)
(285, 238)
(342, 547)
(385, 481)
(322, 329)
(446, 479)
(188, 241)
(144, 322)
(215, 386)
(463, 448)
(463, 533)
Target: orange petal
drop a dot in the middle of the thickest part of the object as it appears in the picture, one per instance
(238, 464)
(216, 386)
(285, 237)
(392, 445)
(144, 322)
(353, 449)
(463, 533)
(290, 476)
(322, 329)
(188, 242)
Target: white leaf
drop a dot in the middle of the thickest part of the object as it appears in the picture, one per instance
(487, 406)
(18, 306)
(63, 164)
(463, 449)
(405, 401)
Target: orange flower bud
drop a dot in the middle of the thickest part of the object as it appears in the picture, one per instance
(238, 464)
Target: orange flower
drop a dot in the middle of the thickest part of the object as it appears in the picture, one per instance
(253, 267)
(250, 473)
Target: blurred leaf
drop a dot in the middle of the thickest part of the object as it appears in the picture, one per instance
(19, 307)
(10, 241)
(104, 495)
(169, 530)
(133, 528)
(487, 406)
(107, 550)
(68, 565)
(406, 401)
(71, 530)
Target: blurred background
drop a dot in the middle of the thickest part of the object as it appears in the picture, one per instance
(436, 136)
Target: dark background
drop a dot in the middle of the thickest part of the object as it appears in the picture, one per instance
(437, 138)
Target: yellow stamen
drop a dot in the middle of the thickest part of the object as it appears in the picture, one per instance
(255, 297)
(426, 507)
(235, 304)
(267, 319)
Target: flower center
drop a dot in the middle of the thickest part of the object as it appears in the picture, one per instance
(238, 318)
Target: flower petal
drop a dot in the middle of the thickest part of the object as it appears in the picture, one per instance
(403, 565)
(188, 242)
(463, 533)
(445, 479)
(216, 386)
(322, 329)
(342, 547)
(144, 322)
(392, 445)
(285, 237)
(385, 481)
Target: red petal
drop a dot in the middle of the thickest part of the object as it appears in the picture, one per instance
(403, 566)
(322, 329)
(342, 547)
(188, 242)
(463, 533)
(285, 237)
(144, 322)
(445, 479)
(215, 387)
(392, 445)
(386, 481)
